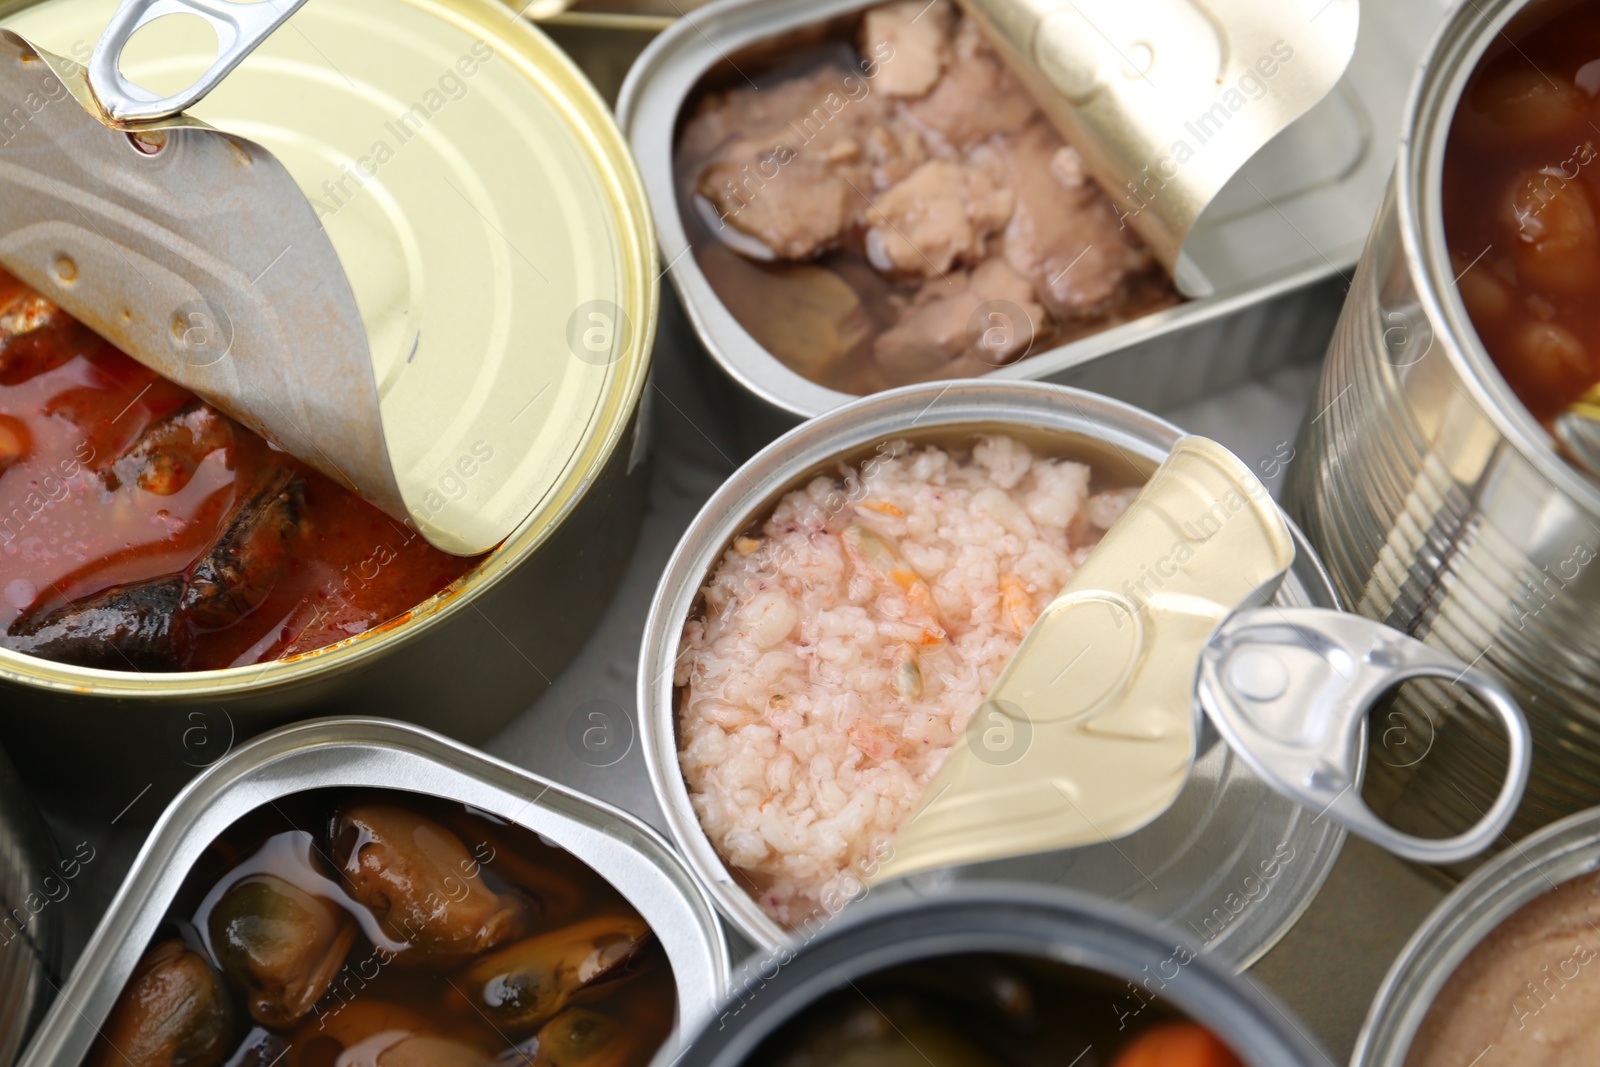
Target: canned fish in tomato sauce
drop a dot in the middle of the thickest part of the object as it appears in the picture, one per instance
(489, 220)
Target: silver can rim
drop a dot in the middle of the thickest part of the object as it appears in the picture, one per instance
(1436, 91)
(384, 754)
(1557, 854)
(881, 416)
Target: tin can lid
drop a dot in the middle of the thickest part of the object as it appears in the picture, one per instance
(1166, 101)
(486, 213)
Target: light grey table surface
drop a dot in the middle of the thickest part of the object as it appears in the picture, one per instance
(1325, 971)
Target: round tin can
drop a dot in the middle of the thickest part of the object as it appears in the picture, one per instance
(31, 917)
(372, 753)
(1069, 928)
(413, 126)
(1556, 854)
(1441, 507)
(1193, 866)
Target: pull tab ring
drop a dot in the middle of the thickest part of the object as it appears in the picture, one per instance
(1290, 690)
(239, 28)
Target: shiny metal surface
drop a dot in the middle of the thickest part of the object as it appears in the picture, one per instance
(1557, 854)
(31, 917)
(239, 28)
(551, 184)
(1441, 508)
(388, 755)
(213, 300)
(1232, 862)
(1153, 95)
(1291, 690)
(486, 212)
(1069, 928)
(1277, 249)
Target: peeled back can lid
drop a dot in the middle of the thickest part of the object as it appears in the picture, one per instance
(485, 211)
(1167, 100)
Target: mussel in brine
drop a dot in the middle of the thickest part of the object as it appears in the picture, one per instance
(525, 984)
(174, 1012)
(579, 1037)
(421, 883)
(280, 944)
(374, 1033)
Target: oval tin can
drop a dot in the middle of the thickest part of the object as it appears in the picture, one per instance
(1441, 507)
(1028, 922)
(416, 125)
(1557, 854)
(379, 754)
(1232, 863)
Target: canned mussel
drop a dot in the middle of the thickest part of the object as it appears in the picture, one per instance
(990, 975)
(239, 475)
(358, 891)
(1449, 481)
(827, 637)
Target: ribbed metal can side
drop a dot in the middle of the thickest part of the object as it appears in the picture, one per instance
(1430, 520)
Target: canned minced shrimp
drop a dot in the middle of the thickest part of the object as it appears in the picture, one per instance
(1039, 468)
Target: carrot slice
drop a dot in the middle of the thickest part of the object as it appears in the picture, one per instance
(1178, 1045)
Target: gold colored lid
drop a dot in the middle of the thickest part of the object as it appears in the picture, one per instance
(1089, 733)
(1167, 99)
(488, 218)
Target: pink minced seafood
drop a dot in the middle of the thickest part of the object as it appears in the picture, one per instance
(841, 652)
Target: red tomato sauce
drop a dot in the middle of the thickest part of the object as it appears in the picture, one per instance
(99, 493)
(1520, 193)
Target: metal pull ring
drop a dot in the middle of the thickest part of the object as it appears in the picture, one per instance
(1290, 690)
(239, 28)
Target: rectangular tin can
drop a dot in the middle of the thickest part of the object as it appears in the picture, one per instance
(1281, 245)
(372, 753)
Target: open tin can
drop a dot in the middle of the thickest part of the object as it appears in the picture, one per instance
(970, 930)
(466, 134)
(1440, 505)
(1538, 865)
(1225, 825)
(1278, 245)
(375, 754)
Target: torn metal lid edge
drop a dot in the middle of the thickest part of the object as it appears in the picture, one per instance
(1167, 100)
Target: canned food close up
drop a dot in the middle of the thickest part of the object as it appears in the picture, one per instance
(858, 195)
(168, 557)
(828, 627)
(357, 887)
